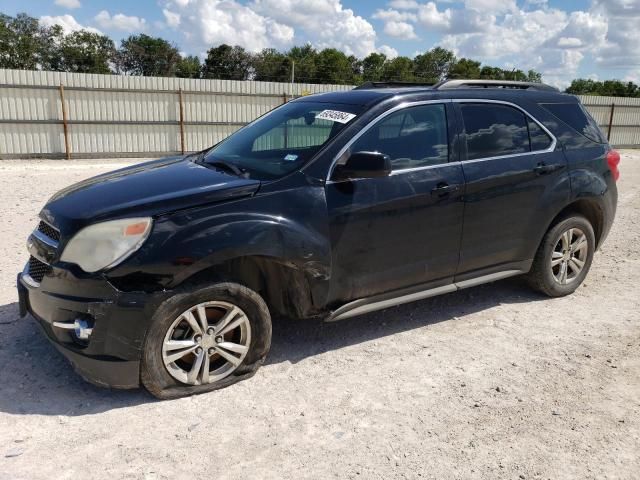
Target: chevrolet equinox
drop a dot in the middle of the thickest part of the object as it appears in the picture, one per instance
(166, 274)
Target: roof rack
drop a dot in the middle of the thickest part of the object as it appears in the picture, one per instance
(451, 84)
(370, 85)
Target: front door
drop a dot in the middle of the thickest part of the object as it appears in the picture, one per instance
(401, 230)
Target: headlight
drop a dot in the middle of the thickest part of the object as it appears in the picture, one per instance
(106, 244)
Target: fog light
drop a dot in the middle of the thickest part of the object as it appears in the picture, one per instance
(82, 329)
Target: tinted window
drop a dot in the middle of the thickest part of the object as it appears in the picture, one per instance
(574, 115)
(284, 139)
(539, 138)
(494, 130)
(412, 137)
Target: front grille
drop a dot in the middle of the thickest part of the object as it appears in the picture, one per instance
(49, 231)
(38, 269)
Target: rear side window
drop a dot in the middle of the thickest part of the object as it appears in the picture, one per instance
(494, 130)
(574, 115)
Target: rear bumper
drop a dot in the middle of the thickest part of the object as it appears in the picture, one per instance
(111, 355)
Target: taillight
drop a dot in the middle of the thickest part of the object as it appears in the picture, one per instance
(613, 159)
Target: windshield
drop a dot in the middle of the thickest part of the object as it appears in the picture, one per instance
(284, 139)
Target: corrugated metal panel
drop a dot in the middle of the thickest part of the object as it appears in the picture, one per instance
(625, 124)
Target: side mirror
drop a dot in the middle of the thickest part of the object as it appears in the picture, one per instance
(364, 165)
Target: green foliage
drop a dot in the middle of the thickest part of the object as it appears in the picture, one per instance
(148, 56)
(189, 67)
(433, 65)
(465, 68)
(399, 69)
(614, 88)
(372, 66)
(86, 52)
(272, 66)
(26, 45)
(228, 63)
(333, 66)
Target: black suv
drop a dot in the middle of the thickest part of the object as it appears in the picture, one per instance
(332, 205)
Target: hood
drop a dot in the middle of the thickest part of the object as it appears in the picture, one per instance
(147, 189)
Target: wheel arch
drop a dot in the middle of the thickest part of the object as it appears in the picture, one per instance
(287, 289)
(589, 208)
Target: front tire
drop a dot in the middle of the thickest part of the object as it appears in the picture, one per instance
(564, 257)
(205, 338)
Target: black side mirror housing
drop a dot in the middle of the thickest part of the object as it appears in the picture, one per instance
(363, 165)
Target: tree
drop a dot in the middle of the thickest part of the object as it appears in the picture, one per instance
(373, 66)
(272, 66)
(400, 69)
(434, 65)
(333, 66)
(148, 56)
(228, 63)
(26, 45)
(86, 52)
(616, 88)
(189, 67)
(465, 68)
(305, 58)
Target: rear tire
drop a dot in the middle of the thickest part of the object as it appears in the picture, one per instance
(564, 257)
(205, 338)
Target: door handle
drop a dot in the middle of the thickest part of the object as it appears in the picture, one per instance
(443, 189)
(542, 168)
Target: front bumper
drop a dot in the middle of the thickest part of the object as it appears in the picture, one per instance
(111, 356)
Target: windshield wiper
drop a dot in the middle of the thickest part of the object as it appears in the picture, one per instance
(227, 167)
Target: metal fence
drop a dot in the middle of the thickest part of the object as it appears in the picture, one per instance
(70, 115)
(618, 117)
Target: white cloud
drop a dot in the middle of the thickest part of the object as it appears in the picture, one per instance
(172, 19)
(402, 30)
(70, 4)
(570, 42)
(207, 23)
(393, 15)
(324, 23)
(390, 52)
(270, 24)
(620, 48)
(67, 22)
(404, 4)
(120, 21)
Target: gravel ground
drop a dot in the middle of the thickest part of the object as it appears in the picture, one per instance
(489, 382)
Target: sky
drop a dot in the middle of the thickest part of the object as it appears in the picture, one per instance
(563, 40)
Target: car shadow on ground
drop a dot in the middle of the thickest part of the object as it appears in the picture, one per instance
(36, 379)
(294, 341)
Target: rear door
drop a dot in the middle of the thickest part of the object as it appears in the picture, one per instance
(401, 230)
(514, 178)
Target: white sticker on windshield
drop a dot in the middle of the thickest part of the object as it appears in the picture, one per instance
(290, 157)
(335, 116)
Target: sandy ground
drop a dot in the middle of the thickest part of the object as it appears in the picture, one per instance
(490, 382)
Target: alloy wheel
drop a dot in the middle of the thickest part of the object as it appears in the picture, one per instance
(206, 343)
(569, 256)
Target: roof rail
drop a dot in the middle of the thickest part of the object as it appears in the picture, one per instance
(369, 85)
(451, 84)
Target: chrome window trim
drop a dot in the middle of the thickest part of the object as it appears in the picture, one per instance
(401, 106)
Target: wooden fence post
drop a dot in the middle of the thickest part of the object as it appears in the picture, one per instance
(613, 107)
(182, 144)
(65, 125)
